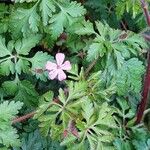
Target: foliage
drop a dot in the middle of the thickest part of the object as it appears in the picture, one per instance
(65, 17)
(7, 113)
(73, 108)
(34, 140)
(139, 140)
(130, 74)
(95, 107)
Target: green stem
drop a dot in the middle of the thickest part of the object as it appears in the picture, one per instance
(24, 58)
(7, 58)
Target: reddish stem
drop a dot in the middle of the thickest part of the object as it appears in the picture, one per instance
(146, 12)
(31, 114)
(123, 25)
(147, 37)
(23, 118)
(90, 67)
(146, 87)
(144, 99)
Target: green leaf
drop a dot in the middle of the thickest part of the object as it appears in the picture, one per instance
(6, 137)
(75, 9)
(4, 26)
(3, 49)
(129, 77)
(39, 61)
(22, 66)
(71, 103)
(57, 24)
(125, 111)
(7, 113)
(24, 46)
(86, 28)
(47, 8)
(122, 145)
(68, 140)
(86, 113)
(7, 67)
(45, 101)
(66, 17)
(76, 90)
(9, 110)
(95, 50)
(3, 10)
(10, 87)
(113, 47)
(25, 21)
(26, 93)
(74, 71)
(94, 128)
(123, 104)
(35, 141)
(75, 44)
(130, 6)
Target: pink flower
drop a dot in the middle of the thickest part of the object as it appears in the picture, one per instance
(56, 69)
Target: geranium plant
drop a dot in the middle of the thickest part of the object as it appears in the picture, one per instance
(74, 75)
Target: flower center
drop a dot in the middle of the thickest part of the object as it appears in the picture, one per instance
(58, 67)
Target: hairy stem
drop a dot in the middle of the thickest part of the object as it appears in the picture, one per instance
(146, 87)
(123, 25)
(146, 12)
(90, 67)
(144, 99)
(23, 118)
(31, 114)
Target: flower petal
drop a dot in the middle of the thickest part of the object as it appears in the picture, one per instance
(61, 75)
(50, 66)
(66, 65)
(52, 74)
(60, 58)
